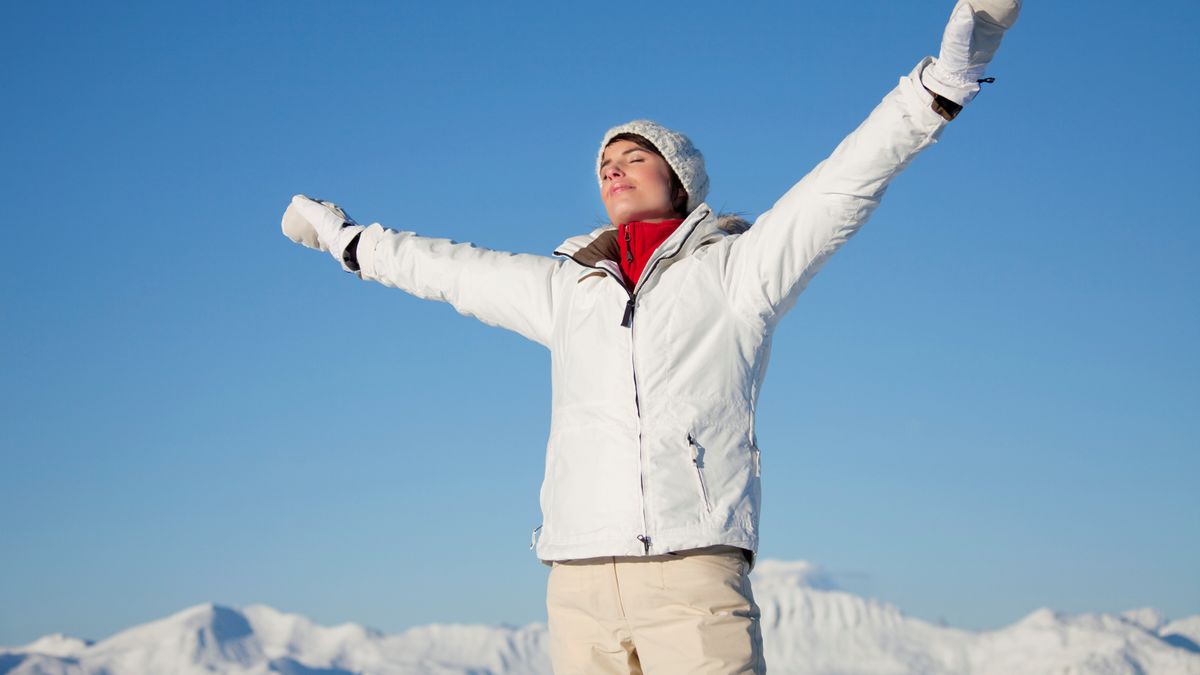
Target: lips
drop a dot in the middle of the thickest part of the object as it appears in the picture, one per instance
(619, 187)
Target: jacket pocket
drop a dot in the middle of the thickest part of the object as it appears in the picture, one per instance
(698, 462)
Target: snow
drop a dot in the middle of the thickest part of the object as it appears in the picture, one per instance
(1147, 617)
(56, 644)
(810, 627)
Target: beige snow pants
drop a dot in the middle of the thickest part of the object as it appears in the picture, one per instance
(687, 612)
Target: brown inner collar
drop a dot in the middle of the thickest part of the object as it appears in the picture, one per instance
(603, 247)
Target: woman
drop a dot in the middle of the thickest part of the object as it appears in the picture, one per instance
(659, 328)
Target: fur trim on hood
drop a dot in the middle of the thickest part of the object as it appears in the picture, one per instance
(732, 223)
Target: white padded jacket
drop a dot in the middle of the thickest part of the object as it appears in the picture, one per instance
(652, 446)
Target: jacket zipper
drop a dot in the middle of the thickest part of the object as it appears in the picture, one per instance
(627, 321)
(699, 464)
(637, 406)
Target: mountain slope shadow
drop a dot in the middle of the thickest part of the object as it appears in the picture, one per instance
(286, 666)
(9, 662)
(229, 624)
(1174, 639)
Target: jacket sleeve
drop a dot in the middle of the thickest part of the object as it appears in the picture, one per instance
(770, 264)
(509, 290)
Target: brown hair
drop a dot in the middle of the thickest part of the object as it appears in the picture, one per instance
(679, 199)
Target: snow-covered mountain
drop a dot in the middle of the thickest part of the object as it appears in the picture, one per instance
(809, 627)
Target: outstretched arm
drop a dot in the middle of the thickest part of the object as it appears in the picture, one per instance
(509, 290)
(513, 291)
(769, 265)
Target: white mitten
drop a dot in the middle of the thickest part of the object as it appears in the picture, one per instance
(319, 224)
(972, 36)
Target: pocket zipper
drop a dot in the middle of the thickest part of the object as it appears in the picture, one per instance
(699, 464)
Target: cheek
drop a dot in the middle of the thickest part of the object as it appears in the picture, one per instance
(656, 179)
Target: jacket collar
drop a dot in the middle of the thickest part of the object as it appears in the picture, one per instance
(701, 227)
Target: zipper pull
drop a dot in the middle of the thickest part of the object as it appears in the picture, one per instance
(628, 246)
(645, 542)
(627, 320)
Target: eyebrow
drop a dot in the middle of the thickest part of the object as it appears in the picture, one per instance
(636, 148)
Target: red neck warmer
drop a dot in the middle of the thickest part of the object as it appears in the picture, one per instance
(637, 240)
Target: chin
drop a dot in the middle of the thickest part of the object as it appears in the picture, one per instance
(630, 215)
(620, 217)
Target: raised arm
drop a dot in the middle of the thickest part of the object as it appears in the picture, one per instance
(513, 291)
(769, 265)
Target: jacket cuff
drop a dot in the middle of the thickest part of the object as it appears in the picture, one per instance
(368, 241)
(345, 237)
(945, 107)
(939, 108)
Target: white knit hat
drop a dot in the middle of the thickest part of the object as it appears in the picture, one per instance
(677, 149)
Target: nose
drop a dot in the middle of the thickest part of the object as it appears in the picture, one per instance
(611, 171)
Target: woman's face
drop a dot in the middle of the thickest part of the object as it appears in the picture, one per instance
(635, 184)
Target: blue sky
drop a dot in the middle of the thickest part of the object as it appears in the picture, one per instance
(984, 404)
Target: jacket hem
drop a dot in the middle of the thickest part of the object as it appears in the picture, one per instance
(678, 539)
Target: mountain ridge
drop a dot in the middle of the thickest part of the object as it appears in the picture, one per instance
(810, 627)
